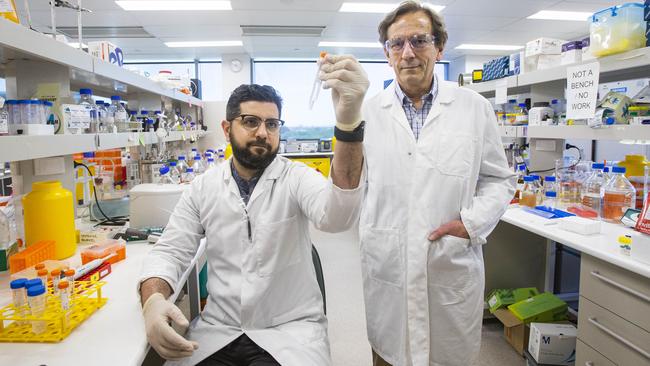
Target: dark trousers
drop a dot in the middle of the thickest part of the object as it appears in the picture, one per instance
(240, 352)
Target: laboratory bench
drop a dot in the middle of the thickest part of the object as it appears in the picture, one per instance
(613, 290)
(115, 333)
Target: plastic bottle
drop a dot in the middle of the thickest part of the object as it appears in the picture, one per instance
(36, 299)
(149, 125)
(118, 112)
(619, 196)
(189, 175)
(593, 189)
(49, 215)
(550, 200)
(165, 177)
(538, 189)
(174, 172)
(521, 172)
(522, 115)
(221, 157)
(549, 184)
(182, 164)
(193, 153)
(86, 99)
(606, 174)
(134, 123)
(211, 164)
(19, 296)
(198, 166)
(529, 192)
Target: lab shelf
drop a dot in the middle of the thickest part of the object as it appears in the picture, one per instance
(16, 148)
(106, 79)
(623, 66)
(514, 131)
(616, 132)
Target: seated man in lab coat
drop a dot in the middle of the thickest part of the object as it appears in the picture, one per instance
(264, 305)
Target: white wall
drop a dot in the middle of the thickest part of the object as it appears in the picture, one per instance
(231, 79)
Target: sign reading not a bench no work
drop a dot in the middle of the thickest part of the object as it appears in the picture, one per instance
(582, 90)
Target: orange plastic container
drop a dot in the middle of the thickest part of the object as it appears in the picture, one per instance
(34, 254)
(105, 249)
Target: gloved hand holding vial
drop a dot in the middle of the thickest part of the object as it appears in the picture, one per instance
(349, 83)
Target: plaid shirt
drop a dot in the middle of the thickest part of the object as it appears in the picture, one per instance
(416, 117)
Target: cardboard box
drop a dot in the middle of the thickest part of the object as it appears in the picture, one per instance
(499, 298)
(543, 308)
(514, 330)
(553, 344)
(544, 46)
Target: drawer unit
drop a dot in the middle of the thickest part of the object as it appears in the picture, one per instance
(587, 356)
(614, 337)
(622, 292)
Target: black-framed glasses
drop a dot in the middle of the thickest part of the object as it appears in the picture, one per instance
(252, 122)
(417, 42)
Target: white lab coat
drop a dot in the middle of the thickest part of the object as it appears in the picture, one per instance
(424, 300)
(261, 282)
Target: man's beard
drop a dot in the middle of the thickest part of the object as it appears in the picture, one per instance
(248, 159)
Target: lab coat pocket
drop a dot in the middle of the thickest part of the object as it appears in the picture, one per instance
(454, 154)
(277, 246)
(452, 268)
(382, 255)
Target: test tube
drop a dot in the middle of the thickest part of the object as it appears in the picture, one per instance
(19, 295)
(69, 276)
(56, 278)
(36, 300)
(42, 274)
(63, 288)
(316, 87)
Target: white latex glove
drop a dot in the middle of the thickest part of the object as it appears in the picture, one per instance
(158, 312)
(349, 83)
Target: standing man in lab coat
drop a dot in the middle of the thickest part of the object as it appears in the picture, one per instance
(438, 182)
(264, 305)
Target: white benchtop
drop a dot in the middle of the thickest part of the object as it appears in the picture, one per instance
(603, 246)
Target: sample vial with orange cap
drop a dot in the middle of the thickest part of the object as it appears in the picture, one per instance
(64, 294)
(56, 278)
(69, 276)
(316, 87)
(39, 266)
(42, 274)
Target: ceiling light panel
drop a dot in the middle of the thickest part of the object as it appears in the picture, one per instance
(204, 44)
(178, 5)
(377, 7)
(562, 15)
(349, 44)
(488, 47)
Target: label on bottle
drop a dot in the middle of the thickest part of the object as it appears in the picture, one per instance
(76, 117)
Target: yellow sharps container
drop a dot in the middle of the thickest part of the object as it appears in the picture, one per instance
(49, 215)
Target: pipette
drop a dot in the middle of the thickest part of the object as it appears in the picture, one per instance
(315, 89)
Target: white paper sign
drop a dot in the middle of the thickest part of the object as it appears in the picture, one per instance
(501, 91)
(582, 90)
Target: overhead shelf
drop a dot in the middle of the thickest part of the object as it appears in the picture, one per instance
(623, 66)
(19, 42)
(514, 131)
(15, 148)
(616, 132)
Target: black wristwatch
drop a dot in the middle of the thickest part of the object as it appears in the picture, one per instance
(355, 135)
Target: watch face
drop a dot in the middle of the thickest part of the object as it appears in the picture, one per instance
(235, 65)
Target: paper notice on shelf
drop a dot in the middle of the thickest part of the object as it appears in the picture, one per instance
(501, 92)
(76, 117)
(582, 90)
